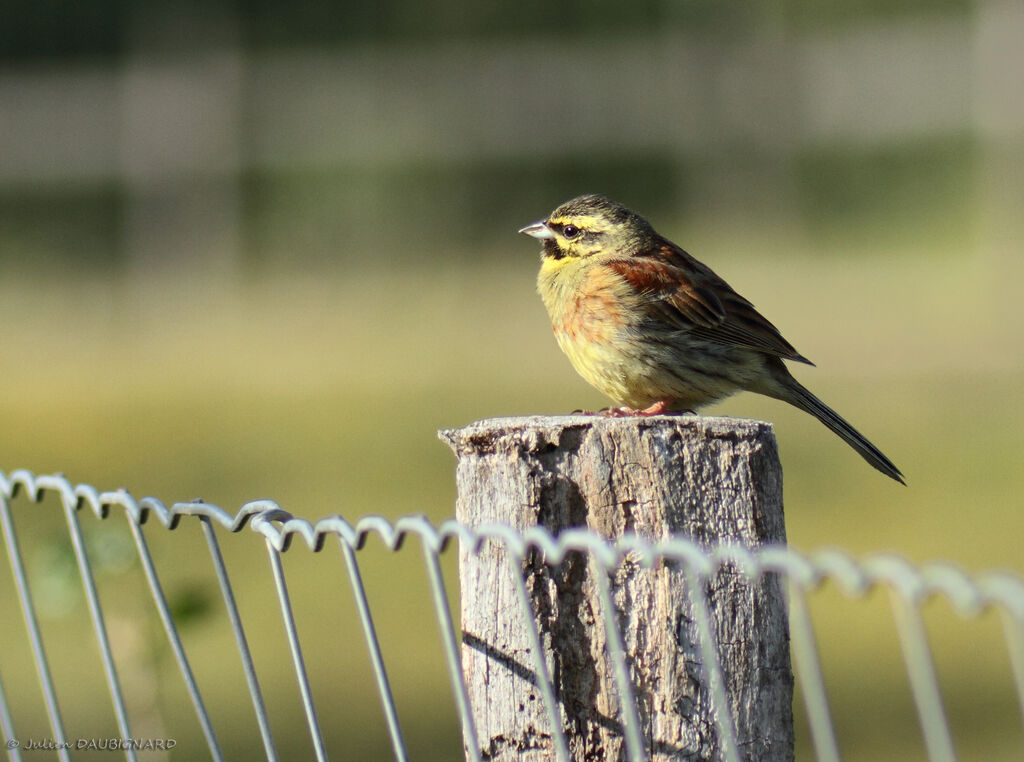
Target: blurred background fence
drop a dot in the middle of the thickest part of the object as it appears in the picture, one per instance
(142, 713)
(218, 135)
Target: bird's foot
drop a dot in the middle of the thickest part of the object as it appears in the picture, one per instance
(658, 408)
(617, 412)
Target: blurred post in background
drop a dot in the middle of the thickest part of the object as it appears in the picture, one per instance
(181, 141)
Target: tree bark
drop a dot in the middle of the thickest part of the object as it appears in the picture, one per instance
(709, 479)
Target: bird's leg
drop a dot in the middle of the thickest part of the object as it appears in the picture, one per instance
(658, 408)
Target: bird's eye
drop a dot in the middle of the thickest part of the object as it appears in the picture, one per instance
(570, 231)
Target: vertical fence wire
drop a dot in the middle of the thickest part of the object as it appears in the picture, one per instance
(28, 611)
(804, 650)
(547, 691)
(243, 644)
(1013, 632)
(696, 584)
(376, 659)
(98, 623)
(617, 657)
(174, 639)
(923, 681)
(292, 632)
(451, 651)
(7, 727)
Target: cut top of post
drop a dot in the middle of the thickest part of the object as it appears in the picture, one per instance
(712, 479)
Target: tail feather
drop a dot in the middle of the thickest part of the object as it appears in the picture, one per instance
(797, 395)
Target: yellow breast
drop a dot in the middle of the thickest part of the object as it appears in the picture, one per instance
(593, 314)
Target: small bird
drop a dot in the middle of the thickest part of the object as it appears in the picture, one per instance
(656, 330)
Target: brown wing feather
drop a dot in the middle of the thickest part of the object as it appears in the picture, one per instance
(688, 295)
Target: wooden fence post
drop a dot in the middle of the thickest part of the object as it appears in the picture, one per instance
(709, 479)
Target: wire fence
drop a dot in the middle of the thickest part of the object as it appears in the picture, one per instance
(909, 585)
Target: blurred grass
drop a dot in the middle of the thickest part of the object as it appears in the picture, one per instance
(324, 390)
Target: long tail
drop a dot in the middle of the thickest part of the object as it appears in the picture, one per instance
(795, 394)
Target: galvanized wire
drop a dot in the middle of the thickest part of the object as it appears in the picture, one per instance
(174, 639)
(259, 708)
(301, 676)
(808, 666)
(98, 622)
(376, 658)
(712, 666)
(617, 656)
(28, 610)
(7, 726)
(544, 682)
(451, 651)
(909, 586)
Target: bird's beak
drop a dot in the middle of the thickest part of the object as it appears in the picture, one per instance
(538, 230)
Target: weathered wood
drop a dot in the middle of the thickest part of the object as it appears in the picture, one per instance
(709, 479)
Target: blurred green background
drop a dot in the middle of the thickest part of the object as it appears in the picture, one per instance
(267, 250)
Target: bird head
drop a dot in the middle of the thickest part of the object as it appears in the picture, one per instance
(590, 225)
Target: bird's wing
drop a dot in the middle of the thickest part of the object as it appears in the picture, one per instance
(689, 296)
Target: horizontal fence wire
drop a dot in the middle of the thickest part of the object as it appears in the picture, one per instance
(910, 586)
